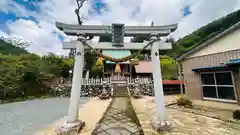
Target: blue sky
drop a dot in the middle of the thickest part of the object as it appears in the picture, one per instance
(6, 16)
(187, 10)
(97, 6)
(31, 5)
(34, 20)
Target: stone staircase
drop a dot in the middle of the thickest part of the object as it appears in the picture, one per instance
(120, 91)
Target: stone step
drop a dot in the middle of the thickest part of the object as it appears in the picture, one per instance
(120, 92)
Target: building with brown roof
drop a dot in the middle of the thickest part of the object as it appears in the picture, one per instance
(143, 69)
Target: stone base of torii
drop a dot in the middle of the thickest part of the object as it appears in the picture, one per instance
(160, 121)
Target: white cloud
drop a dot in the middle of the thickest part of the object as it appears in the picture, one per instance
(3, 3)
(162, 12)
(43, 39)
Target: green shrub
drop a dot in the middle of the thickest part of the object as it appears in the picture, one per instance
(184, 101)
(236, 114)
(96, 71)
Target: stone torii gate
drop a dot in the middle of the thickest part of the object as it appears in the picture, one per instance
(118, 31)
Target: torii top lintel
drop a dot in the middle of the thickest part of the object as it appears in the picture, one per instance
(103, 30)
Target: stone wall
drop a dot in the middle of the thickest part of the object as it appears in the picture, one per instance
(64, 90)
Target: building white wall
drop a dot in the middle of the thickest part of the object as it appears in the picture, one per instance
(227, 43)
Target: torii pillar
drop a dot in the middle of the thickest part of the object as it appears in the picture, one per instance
(72, 124)
(159, 122)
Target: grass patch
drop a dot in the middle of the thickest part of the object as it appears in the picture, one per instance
(184, 101)
(236, 114)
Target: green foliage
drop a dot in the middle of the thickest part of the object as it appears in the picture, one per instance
(96, 71)
(184, 101)
(56, 65)
(29, 74)
(236, 114)
(169, 68)
(7, 48)
(176, 50)
(90, 59)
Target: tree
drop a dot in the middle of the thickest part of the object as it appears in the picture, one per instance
(77, 11)
(176, 50)
(29, 74)
(10, 74)
(58, 66)
(79, 19)
(18, 42)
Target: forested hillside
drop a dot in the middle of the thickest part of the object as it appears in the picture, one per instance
(204, 33)
(7, 48)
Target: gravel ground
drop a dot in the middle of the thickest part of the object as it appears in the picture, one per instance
(183, 123)
(25, 118)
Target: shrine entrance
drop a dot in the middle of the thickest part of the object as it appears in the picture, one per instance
(118, 32)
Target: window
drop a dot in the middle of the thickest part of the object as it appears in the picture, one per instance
(218, 86)
(208, 79)
(223, 78)
(209, 91)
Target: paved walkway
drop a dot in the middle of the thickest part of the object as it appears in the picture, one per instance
(120, 118)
